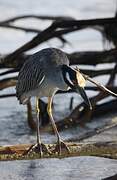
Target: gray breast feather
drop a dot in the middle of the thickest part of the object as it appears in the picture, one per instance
(29, 78)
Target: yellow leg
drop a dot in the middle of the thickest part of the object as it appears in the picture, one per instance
(39, 147)
(38, 131)
(59, 142)
(37, 111)
(49, 109)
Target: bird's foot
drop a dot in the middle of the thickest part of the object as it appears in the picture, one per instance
(60, 146)
(38, 148)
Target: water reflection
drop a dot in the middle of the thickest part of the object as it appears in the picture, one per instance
(30, 171)
(77, 168)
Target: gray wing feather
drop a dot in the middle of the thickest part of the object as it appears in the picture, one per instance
(30, 77)
(34, 69)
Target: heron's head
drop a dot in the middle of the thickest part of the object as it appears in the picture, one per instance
(74, 79)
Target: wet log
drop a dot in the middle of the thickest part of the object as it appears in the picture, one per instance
(114, 177)
(100, 149)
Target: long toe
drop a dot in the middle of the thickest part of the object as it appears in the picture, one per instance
(38, 148)
(61, 147)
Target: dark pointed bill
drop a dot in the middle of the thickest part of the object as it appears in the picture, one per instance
(84, 96)
(75, 81)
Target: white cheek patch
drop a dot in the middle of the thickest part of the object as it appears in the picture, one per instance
(80, 79)
(68, 77)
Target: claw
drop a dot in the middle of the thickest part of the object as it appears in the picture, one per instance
(38, 148)
(61, 145)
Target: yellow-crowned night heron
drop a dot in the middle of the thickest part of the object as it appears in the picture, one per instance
(42, 75)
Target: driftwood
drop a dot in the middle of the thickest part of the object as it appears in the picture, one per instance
(101, 149)
(95, 131)
(57, 29)
(80, 58)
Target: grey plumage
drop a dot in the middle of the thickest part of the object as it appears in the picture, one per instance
(41, 74)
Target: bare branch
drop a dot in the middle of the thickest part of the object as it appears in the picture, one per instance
(55, 18)
(8, 72)
(8, 82)
(100, 86)
(32, 30)
(95, 131)
(93, 57)
(51, 31)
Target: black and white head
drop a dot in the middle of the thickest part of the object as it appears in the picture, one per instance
(74, 79)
